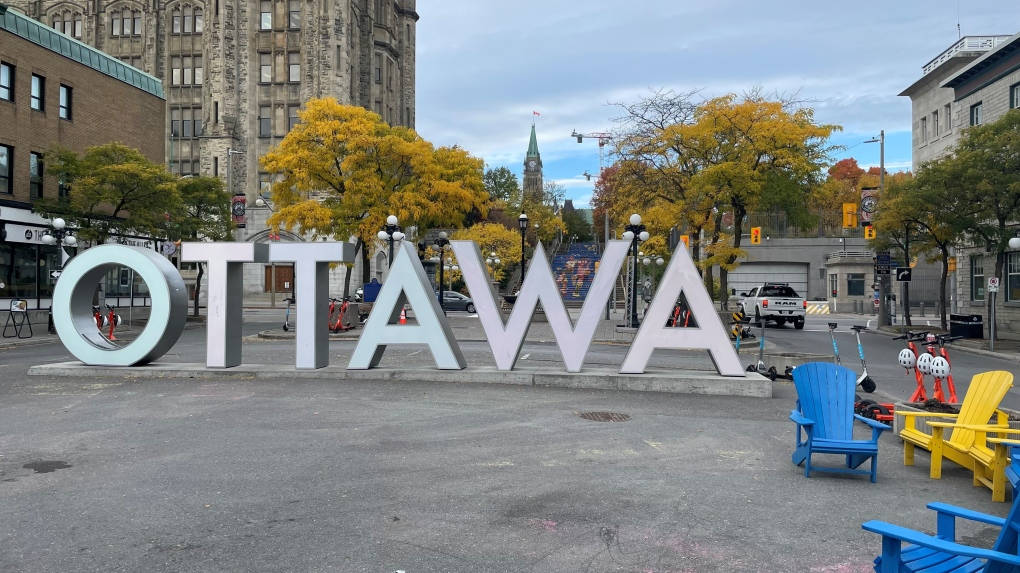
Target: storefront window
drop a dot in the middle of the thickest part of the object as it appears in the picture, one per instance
(1013, 277)
(977, 278)
(23, 272)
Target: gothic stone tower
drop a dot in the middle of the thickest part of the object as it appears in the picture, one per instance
(533, 170)
(236, 72)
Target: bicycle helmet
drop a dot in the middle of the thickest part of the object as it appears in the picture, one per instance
(939, 367)
(907, 358)
(930, 338)
(924, 363)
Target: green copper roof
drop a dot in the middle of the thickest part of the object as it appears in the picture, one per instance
(533, 144)
(38, 33)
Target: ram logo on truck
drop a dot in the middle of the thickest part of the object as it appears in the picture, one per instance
(776, 302)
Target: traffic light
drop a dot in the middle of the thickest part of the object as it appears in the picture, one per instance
(849, 215)
(869, 232)
(686, 239)
(755, 235)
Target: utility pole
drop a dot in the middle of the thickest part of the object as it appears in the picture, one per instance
(883, 280)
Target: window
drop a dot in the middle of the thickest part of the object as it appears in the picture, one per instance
(175, 67)
(266, 15)
(947, 116)
(292, 116)
(77, 26)
(265, 68)
(215, 166)
(294, 67)
(216, 111)
(177, 21)
(855, 284)
(977, 277)
(975, 114)
(115, 24)
(186, 70)
(6, 173)
(127, 23)
(924, 130)
(188, 21)
(199, 71)
(138, 22)
(65, 102)
(199, 21)
(35, 175)
(265, 183)
(378, 68)
(1013, 276)
(294, 14)
(935, 123)
(265, 121)
(175, 123)
(1014, 96)
(6, 81)
(38, 92)
(57, 22)
(189, 77)
(187, 126)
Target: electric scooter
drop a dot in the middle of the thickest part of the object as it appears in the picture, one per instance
(908, 359)
(864, 407)
(761, 367)
(286, 316)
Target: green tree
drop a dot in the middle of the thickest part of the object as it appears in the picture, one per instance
(114, 189)
(203, 213)
(502, 185)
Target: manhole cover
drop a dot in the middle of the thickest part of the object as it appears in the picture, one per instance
(604, 416)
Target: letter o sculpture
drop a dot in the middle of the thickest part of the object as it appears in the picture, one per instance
(72, 306)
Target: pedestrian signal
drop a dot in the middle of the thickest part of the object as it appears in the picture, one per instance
(755, 235)
(869, 232)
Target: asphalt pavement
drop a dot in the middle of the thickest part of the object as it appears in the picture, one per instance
(118, 474)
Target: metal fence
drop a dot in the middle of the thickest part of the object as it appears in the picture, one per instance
(778, 226)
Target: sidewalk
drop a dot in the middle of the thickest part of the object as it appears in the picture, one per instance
(1007, 349)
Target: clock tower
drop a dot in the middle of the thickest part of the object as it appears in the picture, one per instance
(533, 170)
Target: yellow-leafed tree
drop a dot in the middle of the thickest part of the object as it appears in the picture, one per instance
(342, 170)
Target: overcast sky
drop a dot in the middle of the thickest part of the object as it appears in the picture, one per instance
(483, 66)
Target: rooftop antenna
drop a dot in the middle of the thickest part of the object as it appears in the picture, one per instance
(959, 34)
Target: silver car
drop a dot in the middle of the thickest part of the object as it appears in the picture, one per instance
(453, 300)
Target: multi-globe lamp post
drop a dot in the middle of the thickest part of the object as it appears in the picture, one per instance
(645, 264)
(440, 246)
(391, 232)
(60, 234)
(635, 233)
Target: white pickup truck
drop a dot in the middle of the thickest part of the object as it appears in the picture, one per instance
(776, 302)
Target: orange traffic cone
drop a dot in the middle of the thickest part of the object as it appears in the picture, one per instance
(403, 316)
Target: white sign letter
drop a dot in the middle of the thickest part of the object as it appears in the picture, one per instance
(681, 276)
(406, 282)
(506, 340)
(226, 292)
(311, 289)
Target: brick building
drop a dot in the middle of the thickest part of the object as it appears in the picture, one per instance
(55, 90)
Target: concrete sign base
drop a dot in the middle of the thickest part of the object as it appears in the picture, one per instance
(671, 381)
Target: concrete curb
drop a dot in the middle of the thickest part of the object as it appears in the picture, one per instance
(675, 382)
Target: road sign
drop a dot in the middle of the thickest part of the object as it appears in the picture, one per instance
(883, 262)
(903, 274)
(993, 284)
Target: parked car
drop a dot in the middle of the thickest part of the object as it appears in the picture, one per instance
(776, 302)
(453, 300)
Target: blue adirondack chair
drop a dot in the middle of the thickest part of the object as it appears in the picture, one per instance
(941, 553)
(825, 419)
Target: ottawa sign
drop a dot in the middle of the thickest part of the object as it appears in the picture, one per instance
(407, 283)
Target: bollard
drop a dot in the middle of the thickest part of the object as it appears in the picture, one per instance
(922, 309)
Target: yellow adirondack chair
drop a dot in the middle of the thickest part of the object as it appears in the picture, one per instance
(967, 444)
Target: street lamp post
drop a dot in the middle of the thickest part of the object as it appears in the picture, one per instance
(883, 280)
(647, 283)
(441, 244)
(262, 203)
(522, 223)
(634, 232)
(61, 236)
(391, 232)
(492, 260)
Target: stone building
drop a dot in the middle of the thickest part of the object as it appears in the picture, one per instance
(55, 90)
(236, 72)
(532, 188)
(975, 81)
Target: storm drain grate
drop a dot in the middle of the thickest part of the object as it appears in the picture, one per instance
(604, 416)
